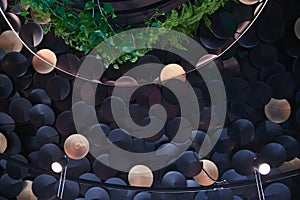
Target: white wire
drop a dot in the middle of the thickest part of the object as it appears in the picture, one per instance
(63, 184)
(245, 31)
(261, 187)
(32, 52)
(257, 184)
(59, 184)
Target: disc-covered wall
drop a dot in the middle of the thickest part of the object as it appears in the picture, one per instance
(45, 153)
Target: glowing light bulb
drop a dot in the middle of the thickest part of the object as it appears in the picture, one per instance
(264, 169)
(56, 167)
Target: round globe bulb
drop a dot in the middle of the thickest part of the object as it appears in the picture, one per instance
(56, 167)
(264, 168)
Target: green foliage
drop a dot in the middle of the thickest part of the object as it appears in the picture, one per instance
(186, 20)
(85, 30)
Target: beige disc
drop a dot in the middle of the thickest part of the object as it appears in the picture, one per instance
(38, 17)
(41, 66)
(290, 165)
(126, 81)
(249, 2)
(172, 71)
(278, 110)
(3, 143)
(10, 42)
(140, 176)
(76, 146)
(211, 169)
(26, 193)
(297, 28)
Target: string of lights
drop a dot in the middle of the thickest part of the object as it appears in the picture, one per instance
(217, 186)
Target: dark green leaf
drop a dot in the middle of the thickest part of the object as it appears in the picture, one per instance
(24, 12)
(116, 66)
(89, 5)
(108, 8)
(60, 11)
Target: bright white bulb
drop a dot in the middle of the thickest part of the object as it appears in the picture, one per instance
(56, 167)
(264, 169)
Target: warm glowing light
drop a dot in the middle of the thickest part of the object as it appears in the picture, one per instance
(264, 169)
(278, 110)
(41, 66)
(56, 167)
(172, 71)
(140, 176)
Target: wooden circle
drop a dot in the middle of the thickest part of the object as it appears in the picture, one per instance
(27, 193)
(172, 71)
(10, 42)
(140, 176)
(76, 146)
(249, 2)
(41, 66)
(211, 169)
(3, 143)
(297, 28)
(278, 110)
(290, 165)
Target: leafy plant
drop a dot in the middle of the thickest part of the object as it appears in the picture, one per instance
(86, 29)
